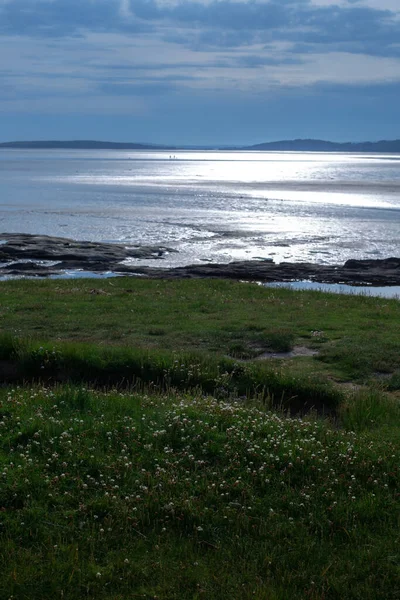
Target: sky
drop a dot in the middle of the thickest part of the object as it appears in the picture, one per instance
(199, 72)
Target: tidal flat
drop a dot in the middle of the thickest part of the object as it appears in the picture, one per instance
(208, 207)
(167, 439)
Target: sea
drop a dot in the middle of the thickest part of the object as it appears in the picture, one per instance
(209, 206)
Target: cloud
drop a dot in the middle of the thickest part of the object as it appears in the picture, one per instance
(155, 86)
(59, 18)
(258, 60)
(359, 26)
(323, 22)
(135, 55)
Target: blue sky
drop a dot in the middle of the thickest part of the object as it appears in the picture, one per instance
(199, 72)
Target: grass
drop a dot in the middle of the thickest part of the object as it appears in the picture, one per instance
(126, 495)
(369, 409)
(357, 337)
(156, 457)
(220, 376)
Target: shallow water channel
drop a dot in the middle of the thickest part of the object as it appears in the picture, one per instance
(390, 291)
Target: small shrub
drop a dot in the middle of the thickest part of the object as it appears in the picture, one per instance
(242, 351)
(278, 340)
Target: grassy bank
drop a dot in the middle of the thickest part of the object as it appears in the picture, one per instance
(124, 496)
(156, 458)
(357, 338)
(163, 370)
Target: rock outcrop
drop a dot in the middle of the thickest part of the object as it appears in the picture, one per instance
(40, 256)
(378, 273)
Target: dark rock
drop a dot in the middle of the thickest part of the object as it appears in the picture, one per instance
(24, 266)
(100, 258)
(386, 263)
(38, 272)
(71, 254)
(374, 274)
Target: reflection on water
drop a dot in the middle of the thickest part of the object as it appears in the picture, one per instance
(211, 206)
(67, 274)
(392, 291)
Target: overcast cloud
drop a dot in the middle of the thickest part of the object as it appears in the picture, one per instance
(226, 71)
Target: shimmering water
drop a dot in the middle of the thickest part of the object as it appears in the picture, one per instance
(211, 206)
(391, 291)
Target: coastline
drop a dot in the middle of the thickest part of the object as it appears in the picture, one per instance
(201, 421)
(30, 255)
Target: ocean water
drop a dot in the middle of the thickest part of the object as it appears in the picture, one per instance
(209, 206)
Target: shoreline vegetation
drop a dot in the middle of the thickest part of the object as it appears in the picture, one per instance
(197, 438)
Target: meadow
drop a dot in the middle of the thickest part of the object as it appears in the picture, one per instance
(356, 337)
(164, 440)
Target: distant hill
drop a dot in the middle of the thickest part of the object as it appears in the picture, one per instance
(82, 145)
(324, 146)
(307, 145)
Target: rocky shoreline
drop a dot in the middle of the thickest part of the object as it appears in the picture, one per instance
(43, 256)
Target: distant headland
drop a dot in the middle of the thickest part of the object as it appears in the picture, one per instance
(81, 145)
(298, 145)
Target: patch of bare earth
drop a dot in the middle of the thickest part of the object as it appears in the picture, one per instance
(296, 351)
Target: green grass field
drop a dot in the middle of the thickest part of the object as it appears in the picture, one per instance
(155, 456)
(357, 338)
